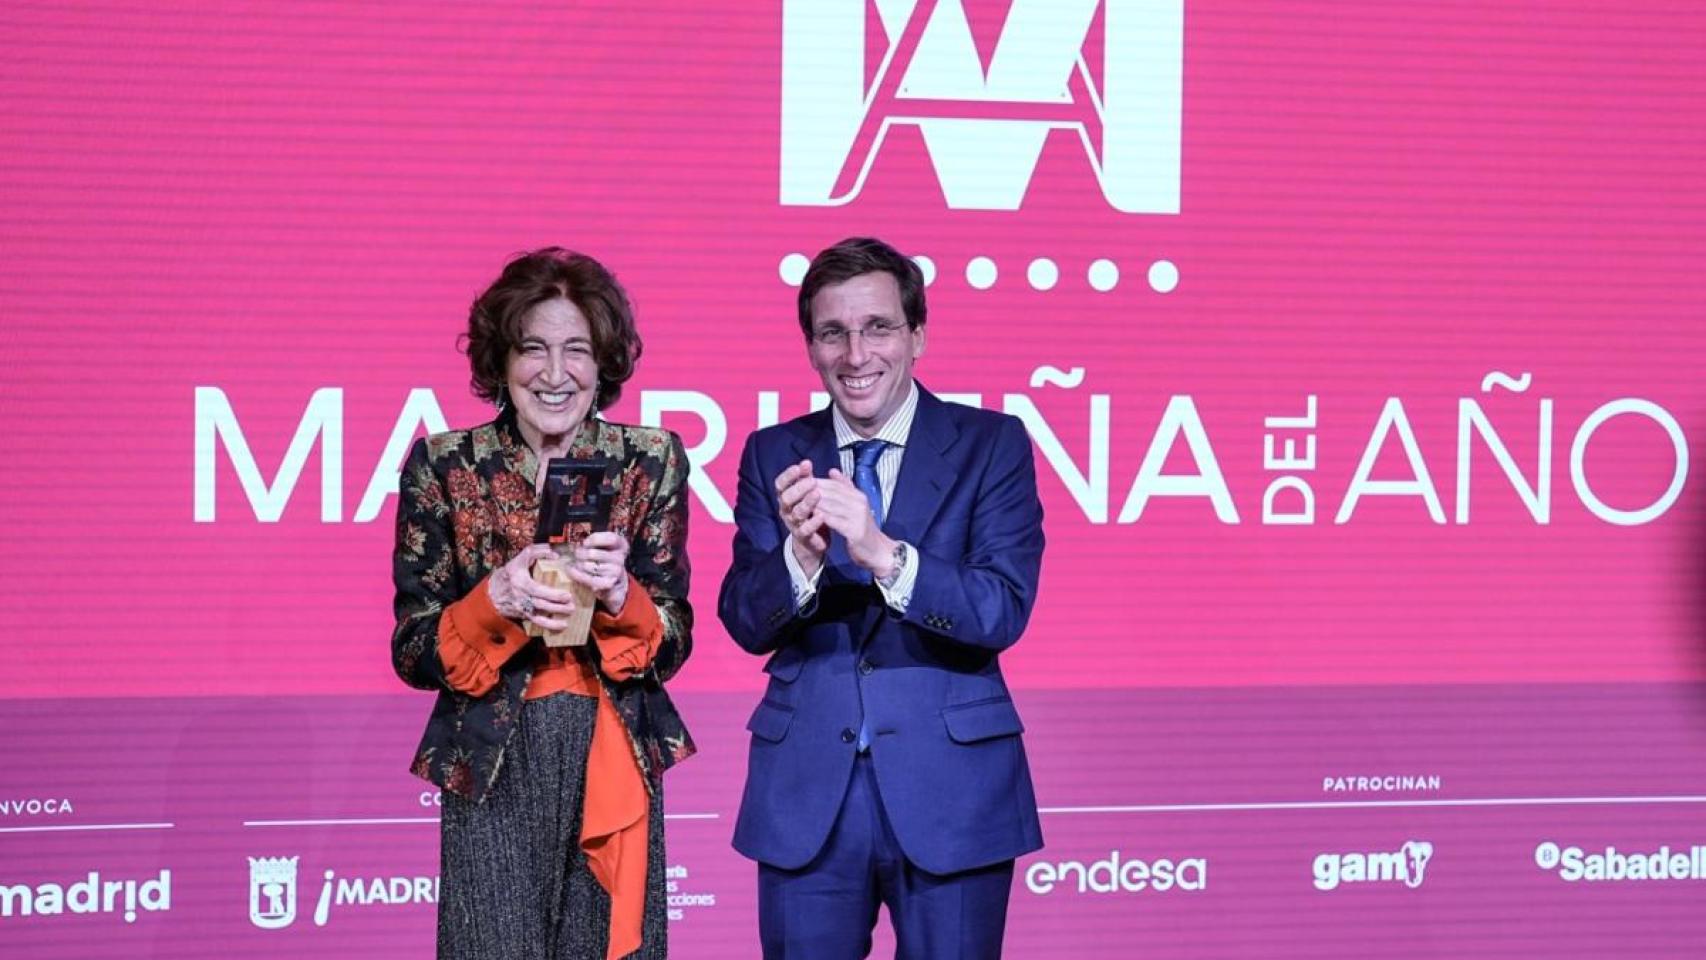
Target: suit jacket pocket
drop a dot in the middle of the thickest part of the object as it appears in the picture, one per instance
(770, 721)
(971, 722)
(785, 664)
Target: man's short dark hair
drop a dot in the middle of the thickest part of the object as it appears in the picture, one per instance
(855, 257)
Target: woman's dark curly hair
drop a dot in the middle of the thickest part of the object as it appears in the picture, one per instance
(496, 319)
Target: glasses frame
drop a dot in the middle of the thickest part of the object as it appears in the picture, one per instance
(874, 334)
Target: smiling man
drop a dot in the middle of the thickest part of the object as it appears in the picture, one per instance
(886, 551)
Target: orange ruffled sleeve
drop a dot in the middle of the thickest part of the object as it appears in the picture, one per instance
(474, 640)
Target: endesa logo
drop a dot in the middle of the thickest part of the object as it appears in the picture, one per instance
(1613, 865)
(1407, 865)
(984, 124)
(1114, 875)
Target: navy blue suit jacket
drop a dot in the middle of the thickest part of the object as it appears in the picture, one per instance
(945, 746)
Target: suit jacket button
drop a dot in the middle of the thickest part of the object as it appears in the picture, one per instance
(866, 667)
(847, 735)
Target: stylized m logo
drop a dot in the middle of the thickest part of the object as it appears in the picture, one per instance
(983, 125)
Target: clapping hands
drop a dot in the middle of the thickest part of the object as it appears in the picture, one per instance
(812, 507)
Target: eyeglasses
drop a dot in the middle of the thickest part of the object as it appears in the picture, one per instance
(875, 334)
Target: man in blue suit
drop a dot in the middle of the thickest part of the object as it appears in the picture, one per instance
(886, 551)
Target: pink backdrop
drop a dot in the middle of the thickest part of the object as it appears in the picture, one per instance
(1437, 264)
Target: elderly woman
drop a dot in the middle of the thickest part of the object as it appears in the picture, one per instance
(550, 758)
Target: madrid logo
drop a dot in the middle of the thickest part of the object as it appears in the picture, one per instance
(272, 892)
(984, 119)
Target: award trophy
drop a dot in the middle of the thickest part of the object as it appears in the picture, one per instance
(574, 502)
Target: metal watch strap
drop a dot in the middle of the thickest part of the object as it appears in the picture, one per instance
(900, 557)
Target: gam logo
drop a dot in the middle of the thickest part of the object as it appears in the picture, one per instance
(984, 120)
(1407, 865)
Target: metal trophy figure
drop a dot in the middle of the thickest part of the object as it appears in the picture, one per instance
(574, 502)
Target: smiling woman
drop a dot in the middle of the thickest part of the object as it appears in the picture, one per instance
(541, 294)
(550, 759)
(552, 377)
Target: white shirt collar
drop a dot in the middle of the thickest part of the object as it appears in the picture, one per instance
(894, 431)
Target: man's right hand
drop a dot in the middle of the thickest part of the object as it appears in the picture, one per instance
(797, 498)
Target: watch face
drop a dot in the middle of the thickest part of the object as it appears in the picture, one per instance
(900, 552)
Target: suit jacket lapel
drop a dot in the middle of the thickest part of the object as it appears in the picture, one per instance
(925, 471)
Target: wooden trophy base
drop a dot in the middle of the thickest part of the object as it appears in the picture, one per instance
(552, 572)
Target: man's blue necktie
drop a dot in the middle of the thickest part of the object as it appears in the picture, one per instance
(865, 456)
(866, 453)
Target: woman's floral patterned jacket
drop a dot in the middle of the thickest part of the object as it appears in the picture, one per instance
(466, 505)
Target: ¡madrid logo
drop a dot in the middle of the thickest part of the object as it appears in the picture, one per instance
(984, 123)
(273, 892)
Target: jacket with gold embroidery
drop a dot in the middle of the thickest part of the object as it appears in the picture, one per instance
(467, 504)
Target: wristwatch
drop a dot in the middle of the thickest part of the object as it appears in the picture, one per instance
(900, 557)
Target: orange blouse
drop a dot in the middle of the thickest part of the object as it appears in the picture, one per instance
(474, 640)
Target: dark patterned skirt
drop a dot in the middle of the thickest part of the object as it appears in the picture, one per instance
(514, 884)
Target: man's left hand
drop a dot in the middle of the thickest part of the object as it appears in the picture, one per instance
(846, 511)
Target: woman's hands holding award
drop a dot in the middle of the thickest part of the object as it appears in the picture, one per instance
(601, 565)
(539, 606)
(575, 558)
(594, 573)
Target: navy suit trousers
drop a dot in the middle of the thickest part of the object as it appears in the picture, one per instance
(827, 909)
